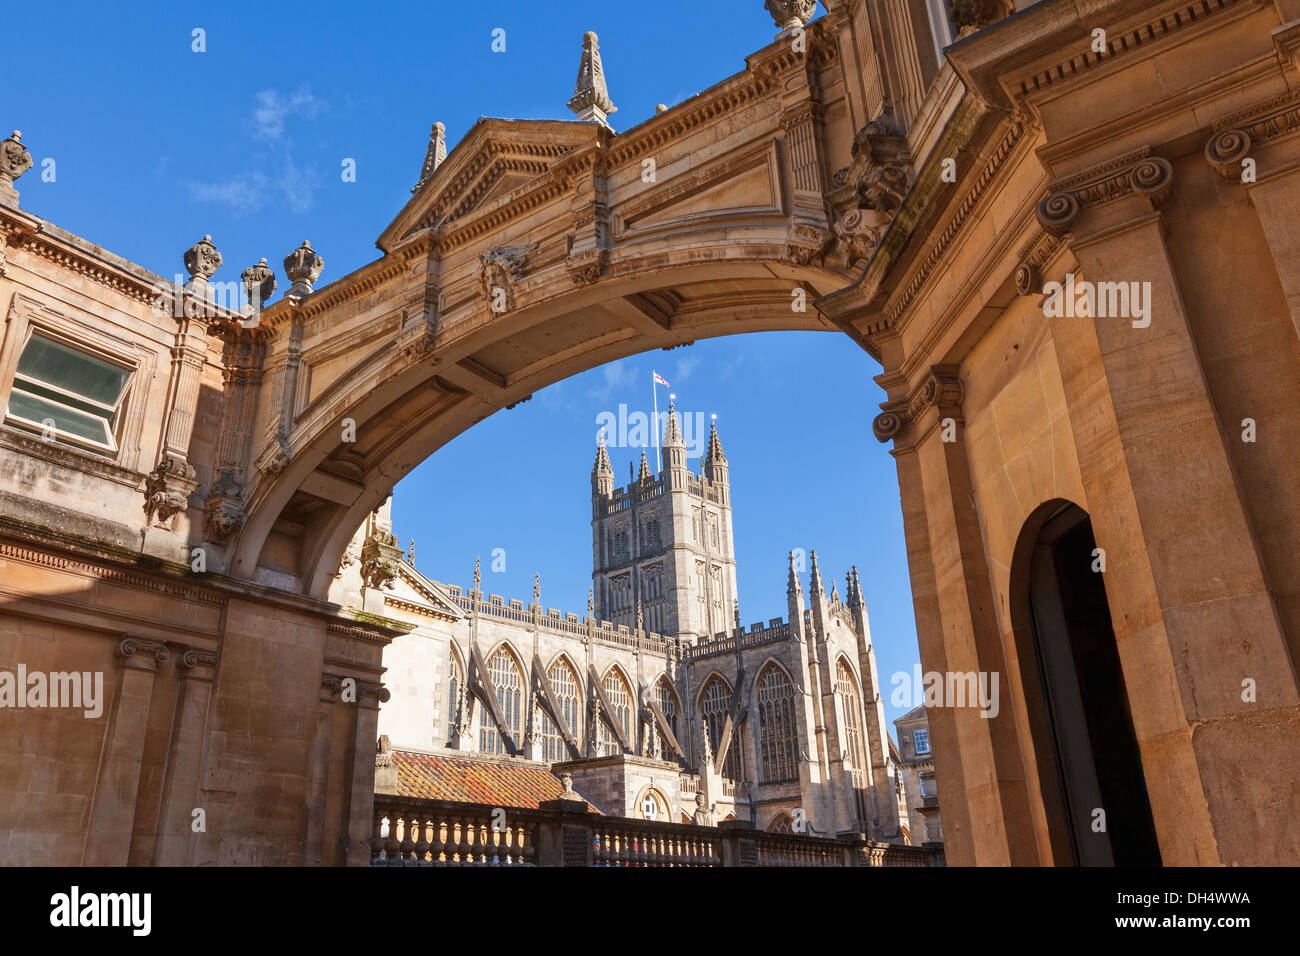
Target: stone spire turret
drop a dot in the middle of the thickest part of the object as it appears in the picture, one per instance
(792, 585)
(433, 155)
(602, 472)
(674, 442)
(644, 473)
(815, 577)
(590, 100)
(715, 459)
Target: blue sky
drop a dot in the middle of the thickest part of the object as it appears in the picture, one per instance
(154, 145)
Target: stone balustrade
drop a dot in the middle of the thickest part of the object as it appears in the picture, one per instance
(416, 832)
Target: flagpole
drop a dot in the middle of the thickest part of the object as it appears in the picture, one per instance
(654, 387)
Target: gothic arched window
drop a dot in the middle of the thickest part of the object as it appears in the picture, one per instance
(667, 702)
(564, 683)
(776, 727)
(846, 686)
(781, 823)
(505, 680)
(620, 698)
(455, 681)
(715, 704)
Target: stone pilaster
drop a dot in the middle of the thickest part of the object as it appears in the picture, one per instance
(112, 814)
(195, 669)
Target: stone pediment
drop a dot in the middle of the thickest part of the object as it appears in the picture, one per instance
(496, 158)
(410, 585)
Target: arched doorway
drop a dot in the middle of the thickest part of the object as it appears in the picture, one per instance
(1089, 763)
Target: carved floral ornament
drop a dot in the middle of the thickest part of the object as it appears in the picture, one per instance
(168, 488)
(872, 187)
(498, 272)
(942, 389)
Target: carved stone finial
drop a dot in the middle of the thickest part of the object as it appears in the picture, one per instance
(303, 267)
(478, 574)
(14, 161)
(202, 260)
(259, 283)
(591, 603)
(433, 155)
(791, 14)
(537, 589)
(410, 553)
(590, 100)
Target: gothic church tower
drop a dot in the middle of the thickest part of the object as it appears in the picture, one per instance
(665, 541)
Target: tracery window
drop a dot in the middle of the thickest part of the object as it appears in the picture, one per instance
(455, 681)
(667, 702)
(781, 823)
(505, 680)
(776, 726)
(847, 687)
(620, 698)
(715, 705)
(564, 683)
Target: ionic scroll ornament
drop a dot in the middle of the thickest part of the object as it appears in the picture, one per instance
(141, 653)
(1133, 173)
(941, 389)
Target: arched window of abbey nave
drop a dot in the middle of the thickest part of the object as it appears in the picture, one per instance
(776, 726)
(505, 679)
(715, 704)
(568, 694)
(620, 699)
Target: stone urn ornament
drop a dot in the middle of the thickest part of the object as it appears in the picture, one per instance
(14, 161)
(303, 267)
(791, 14)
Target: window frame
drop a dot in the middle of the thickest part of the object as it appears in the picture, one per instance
(918, 735)
(26, 315)
(114, 419)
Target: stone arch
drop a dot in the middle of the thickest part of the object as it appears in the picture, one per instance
(1074, 695)
(664, 808)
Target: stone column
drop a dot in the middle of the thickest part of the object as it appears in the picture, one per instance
(195, 669)
(112, 813)
(360, 781)
(322, 773)
(957, 628)
(1192, 613)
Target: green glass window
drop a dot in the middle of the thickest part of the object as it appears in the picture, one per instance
(67, 393)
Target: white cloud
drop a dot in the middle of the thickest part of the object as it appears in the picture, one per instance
(274, 107)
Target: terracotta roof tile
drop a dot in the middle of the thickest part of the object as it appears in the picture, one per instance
(467, 780)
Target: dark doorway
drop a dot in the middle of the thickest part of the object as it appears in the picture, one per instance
(1098, 762)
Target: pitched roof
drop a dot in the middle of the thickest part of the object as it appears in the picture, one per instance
(505, 783)
(913, 714)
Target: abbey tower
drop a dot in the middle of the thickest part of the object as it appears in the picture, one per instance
(665, 541)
